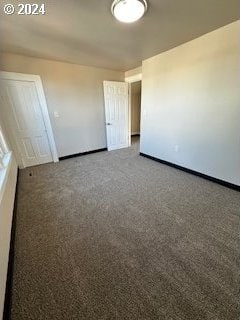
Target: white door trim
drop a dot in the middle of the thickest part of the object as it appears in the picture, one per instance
(130, 80)
(129, 114)
(43, 104)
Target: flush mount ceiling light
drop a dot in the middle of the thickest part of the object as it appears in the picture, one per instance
(129, 11)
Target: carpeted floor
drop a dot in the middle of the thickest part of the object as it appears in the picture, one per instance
(117, 236)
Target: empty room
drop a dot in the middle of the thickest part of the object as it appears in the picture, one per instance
(120, 160)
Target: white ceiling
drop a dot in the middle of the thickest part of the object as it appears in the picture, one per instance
(84, 31)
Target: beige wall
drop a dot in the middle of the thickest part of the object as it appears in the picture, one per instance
(133, 72)
(191, 104)
(6, 211)
(135, 107)
(76, 93)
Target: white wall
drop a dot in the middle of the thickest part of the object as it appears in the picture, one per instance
(76, 93)
(7, 195)
(191, 105)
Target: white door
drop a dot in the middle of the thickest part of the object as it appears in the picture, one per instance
(116, 114)
(23, 117)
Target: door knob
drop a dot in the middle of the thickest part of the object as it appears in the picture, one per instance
(108, 124)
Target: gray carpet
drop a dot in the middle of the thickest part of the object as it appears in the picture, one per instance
(117, 236)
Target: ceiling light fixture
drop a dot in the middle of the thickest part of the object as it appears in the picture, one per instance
(129, 11)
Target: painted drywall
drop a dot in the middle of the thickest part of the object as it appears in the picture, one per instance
(133, 72)
(191, 105)
(135, 107)
(6, 212)
(75, 94)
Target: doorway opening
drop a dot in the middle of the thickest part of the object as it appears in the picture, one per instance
(135, 111)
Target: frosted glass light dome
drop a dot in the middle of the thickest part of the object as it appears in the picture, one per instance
(129, 11)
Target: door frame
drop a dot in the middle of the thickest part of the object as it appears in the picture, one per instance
(43, 105)
(130, 80)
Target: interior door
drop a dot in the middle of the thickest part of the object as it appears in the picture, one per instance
(24, 120)
(116, 114)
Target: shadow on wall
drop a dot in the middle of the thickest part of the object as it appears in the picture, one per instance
(135, 107)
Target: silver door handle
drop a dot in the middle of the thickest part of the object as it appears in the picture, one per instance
(108, 124)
